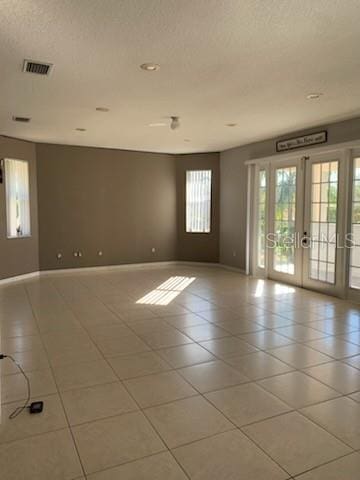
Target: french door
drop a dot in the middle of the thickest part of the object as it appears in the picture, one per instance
(285, 221)
(353, 271)
(324, 224)
(301, 222)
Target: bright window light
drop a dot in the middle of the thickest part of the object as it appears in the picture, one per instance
(198, 201)
(284, 211)
(17, 198)
(167, 291)
(259, 292)
(354, 272)
(261, 227)
(323, 227)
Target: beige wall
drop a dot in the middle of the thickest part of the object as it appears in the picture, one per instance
(125, 203)
(200, 247)
(120, 202)
(19, 255)
(233, 186)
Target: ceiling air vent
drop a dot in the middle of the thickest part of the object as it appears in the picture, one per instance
(21, 119)
(40, 68)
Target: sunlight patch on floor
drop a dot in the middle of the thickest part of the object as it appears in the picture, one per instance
(259, 288)
(281, 289)
(167, 291)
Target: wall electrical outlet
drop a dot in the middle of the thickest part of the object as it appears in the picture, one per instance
(153, 249)
(234, 253)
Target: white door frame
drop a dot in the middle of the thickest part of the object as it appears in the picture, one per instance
(347, 151)
(351, 293)
(338, 288)
(296, 278)
(255, 268)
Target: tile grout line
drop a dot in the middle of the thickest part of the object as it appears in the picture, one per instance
(235, 428)
(231, 335)
(58, 392)
(141, 410)
(266, 419)
(323, 464)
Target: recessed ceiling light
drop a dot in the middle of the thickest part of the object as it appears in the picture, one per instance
(80, 129)
(102, 109)
(150, 67)
(231, 124)
(157, 124)
(314, 96)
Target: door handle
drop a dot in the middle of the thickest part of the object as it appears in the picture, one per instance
(305, 240)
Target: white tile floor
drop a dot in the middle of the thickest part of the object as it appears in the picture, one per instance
(176, 373)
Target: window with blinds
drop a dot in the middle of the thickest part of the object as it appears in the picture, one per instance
(17, 198)
(198, 201)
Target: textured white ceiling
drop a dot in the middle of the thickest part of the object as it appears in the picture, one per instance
(250, 62)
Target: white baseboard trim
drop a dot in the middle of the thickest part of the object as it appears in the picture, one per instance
(19, 278)
(233, 269)
(198, 264)
(216, 265)
(110, 268)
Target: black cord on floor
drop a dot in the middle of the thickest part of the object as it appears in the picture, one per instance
(18, 410)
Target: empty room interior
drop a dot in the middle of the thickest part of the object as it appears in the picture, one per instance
(179, 240)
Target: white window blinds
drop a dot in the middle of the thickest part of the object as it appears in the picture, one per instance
(17, 198)
(198, 201)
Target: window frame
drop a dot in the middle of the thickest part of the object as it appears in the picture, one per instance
(211, 200)
(28, 235)
(352, 290)
(258, 171)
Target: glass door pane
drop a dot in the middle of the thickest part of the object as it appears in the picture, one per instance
(324, 223)
(354, 278)
(323, 231)
(284, 220)
(261, 218)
